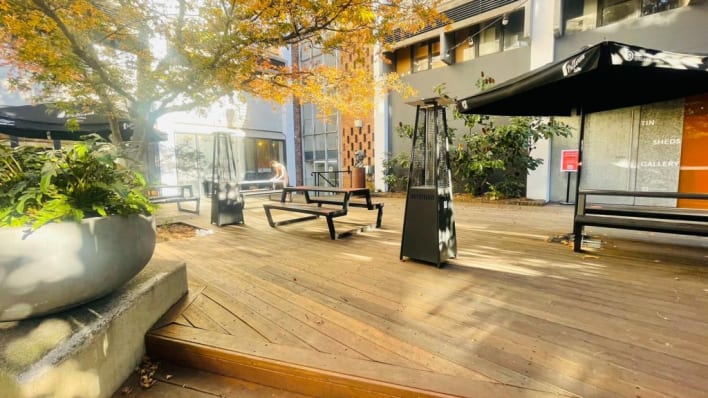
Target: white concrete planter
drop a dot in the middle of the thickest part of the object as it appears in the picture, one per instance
(61, 265)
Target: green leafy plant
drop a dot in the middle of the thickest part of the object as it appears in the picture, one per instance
(494, 159)
(491, 159)
(89, 179)
(396, 172)
(497, 157)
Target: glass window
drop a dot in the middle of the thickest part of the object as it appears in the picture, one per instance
(333, 142)
(308, 147)
(421, 60)
(330, 59)
(514, 31)
(332, 123)
(654, 6)
(618, 10)
(307, 126)
(464, 42)
(319, 145)
(403, 61)
(435, 61)
(254, 156)
(319, 125)
(490, 39)
(579, 15)
(188, 158)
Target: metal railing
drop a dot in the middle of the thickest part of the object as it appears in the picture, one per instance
(333, 175)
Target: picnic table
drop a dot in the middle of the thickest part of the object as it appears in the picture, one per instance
(328, 202)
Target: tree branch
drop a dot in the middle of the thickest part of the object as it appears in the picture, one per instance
(89, 59)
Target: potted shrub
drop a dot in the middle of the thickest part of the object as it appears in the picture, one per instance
(74, 225)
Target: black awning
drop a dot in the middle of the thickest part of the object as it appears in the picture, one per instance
(45, 122)
(605, 76)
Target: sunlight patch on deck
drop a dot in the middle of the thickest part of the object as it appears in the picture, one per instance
(396, 243)
(492, 231)
(497, 266)
(355, 256)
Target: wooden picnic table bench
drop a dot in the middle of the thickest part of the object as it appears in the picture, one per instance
(683, 221)
(327, 206)
(315, 212)
(367, 204)
(179, 197)
(260, 187)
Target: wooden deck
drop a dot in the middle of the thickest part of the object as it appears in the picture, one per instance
(513, 315)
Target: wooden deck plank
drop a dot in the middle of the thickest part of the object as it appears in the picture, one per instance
(198, 316)
(496, 308)
(379, 340)
(645, 311)
(530, 352)
(416, 334)
(626, 320)
(231, 321)
(309, 312)
(277, 314)
(309, 373)
(350, 344)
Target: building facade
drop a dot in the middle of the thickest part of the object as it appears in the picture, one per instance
(505, 38)
(258, 131)
(331, 143)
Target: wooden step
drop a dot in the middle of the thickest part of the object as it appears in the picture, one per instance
(175, 381)
(310, 372)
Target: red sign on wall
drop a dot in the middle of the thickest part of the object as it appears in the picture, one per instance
(569, 160)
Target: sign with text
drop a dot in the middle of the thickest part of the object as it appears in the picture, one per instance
(569, 160)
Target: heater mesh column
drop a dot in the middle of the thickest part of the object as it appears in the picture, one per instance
(429, 224)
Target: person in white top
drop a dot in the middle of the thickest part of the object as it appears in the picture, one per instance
(281, 174)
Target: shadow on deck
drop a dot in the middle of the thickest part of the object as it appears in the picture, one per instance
(514, 315)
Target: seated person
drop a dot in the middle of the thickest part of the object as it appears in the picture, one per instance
(281, 174)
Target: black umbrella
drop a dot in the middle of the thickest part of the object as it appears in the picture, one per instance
(44, 122)
(606, 76)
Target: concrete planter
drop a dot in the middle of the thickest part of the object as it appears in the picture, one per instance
(62, 265)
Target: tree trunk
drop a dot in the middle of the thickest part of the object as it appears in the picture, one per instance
(116, 136)
(136, 146)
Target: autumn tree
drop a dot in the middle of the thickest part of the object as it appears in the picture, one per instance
(141, 59)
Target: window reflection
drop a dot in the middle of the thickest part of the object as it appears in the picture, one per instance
(581, 15)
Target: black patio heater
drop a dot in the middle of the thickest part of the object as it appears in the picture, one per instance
(428, 223)
(226, 198)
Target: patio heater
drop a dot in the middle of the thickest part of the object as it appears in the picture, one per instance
(428, 223)
(226, 198)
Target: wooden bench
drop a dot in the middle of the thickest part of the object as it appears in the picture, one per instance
(639, 217)
(320, 200)
(315, 211)
(261, 187)
(179, 198)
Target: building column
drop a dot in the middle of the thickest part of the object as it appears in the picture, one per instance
(541, 25)
(382, 123)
